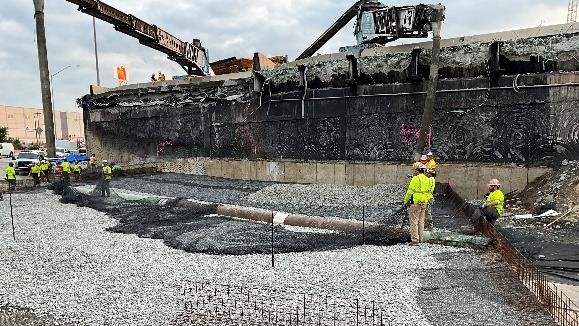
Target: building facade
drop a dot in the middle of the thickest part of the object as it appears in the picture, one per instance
(27, 124)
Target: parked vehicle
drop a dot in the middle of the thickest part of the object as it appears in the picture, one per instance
(82, 151)
(26, 159)
(6, 149)
(62, 152)
(66, 144)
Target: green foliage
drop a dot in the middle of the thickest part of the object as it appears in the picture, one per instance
(3, 134)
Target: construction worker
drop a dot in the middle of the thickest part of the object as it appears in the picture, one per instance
(107, 177)
(161, 76)
(153, 79)
(11, 176)
(428, 215)
(76, 170)
(492, 208)
(65, 165)
(45, 168)
(415, 165)
(35, 171)
(430, 163)
(417, 197)
(93, 161)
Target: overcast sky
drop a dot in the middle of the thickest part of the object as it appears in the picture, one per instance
(226, 27)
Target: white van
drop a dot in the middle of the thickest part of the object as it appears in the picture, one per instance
(6, 149)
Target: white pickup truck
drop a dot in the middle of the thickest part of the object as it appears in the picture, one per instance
(25, 160)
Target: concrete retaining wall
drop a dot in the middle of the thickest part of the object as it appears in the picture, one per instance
(468, 180)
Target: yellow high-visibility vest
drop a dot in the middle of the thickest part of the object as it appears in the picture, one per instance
(10, 173)
(107, 172)
(418, 190)
(65, 166)
(35, 168)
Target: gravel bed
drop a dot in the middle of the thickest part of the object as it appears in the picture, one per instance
(321, 200)
(330, 200)
(65, 264)
(190, 186)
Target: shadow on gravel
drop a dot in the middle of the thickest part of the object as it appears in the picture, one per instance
(199, 230)
(16, 316)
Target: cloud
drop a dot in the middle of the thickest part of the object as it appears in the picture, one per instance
(226, 27)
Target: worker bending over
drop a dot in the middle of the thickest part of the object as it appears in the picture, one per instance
(417, 196)
(107, 176)
(492, 208)
(428, 215)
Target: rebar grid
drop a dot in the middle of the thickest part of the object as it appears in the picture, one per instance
(562, 308)
(222, 304)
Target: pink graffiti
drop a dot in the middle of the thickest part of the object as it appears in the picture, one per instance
(409, 136)
(161, 147)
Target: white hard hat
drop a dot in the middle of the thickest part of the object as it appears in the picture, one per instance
(429, 154)
(495, 182)
(423, 158)
(105, 161)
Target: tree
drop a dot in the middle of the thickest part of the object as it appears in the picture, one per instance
(3, 134)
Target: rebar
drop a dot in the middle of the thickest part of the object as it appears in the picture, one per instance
(270, 306)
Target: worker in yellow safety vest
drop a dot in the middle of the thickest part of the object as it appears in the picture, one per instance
(428, 215)
(11, 176)
(417, 197)
(107, 177)
(76, 170)
(35, 171)
(65, 165)
(492, 208)
(430, 163)
(45, 167)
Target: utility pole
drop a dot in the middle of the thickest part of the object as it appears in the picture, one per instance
(44, 77)
(426, 123)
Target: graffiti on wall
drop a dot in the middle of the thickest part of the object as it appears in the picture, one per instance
(162, 147)
(409, 136)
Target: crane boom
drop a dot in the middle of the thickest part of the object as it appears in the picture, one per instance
(192, 57)
(378, 24)
(330, 32)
